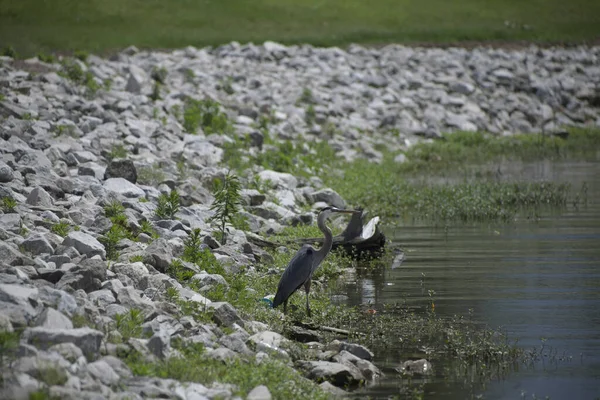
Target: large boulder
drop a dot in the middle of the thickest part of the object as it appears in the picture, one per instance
(87, 339)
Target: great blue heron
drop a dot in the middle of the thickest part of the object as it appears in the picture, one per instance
(301, 268)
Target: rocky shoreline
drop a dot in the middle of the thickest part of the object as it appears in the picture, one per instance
(82, 137)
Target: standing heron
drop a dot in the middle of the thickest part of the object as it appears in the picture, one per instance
(303, 265)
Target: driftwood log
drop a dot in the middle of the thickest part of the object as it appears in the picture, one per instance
(357, 238)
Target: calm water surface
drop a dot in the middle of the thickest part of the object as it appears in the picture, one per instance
(537, 280)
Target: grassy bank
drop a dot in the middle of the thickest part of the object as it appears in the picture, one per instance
(33, 26)
(455, 179)
(459, 179)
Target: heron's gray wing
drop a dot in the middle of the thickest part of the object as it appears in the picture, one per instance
(295, 275)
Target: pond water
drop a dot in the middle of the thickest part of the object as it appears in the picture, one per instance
(537, 280)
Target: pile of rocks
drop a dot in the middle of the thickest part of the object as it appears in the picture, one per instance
(59, 164)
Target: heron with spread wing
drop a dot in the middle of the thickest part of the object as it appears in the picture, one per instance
(303, 265)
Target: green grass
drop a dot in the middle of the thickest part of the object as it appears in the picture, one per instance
(413, 189)
(461, 148)
(283, 381)
(33, 26)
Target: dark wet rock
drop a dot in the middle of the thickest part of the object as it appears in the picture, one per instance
(121, 169)
(367, 369)
(337, 374)
(302, 335)
(50, 275)
(358, 350)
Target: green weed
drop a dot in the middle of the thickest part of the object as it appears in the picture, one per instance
(9, 51)
(129, 324)
(168, 205)
(81, 55)
(159, 75)
(114, 209)
(136, 258)
(194, 252)
(72, 70)
(227, 202)
(111, 239)
(9, 342)
(178, 271)
(117, 151)
(61, 228)
(147, 228)
(47, 58)
(283, 381)
(205, 114)
(9, 205)
(150, 175)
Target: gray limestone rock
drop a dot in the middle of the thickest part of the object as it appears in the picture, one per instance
(123, 187)
(52, 319)
(88, 276)
(358, 350)
(37, 244)
(103, 372)
(159, 254)
(225, 315)
(87, 339)
(10, 255)
(6, 173)
(19, 303)
(68, 351)
(260, 392)
(330, 197)
(84, 243)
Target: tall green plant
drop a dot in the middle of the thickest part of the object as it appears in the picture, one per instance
(168, 205)
(227, 202)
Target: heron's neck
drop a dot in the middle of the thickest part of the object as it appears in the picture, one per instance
(328, 242)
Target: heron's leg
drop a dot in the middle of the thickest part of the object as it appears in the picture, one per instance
(285, 307)
(307, 289)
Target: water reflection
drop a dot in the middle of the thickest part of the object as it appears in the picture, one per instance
(539, 281)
